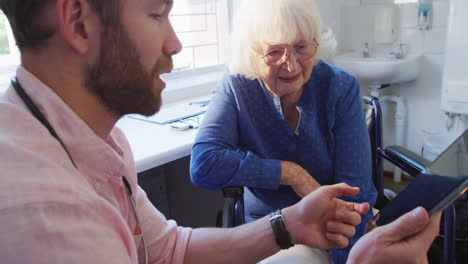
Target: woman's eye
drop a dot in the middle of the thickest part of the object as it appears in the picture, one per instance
(300, 47)
(274, 53)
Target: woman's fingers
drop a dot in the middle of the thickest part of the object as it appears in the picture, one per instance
(372, 224)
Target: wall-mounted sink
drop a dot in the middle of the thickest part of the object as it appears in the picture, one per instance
(380, 69)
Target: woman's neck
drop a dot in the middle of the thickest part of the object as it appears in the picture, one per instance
(290, 111)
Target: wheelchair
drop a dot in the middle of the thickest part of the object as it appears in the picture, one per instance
(413, 164)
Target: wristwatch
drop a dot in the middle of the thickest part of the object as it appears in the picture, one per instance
(282, 237)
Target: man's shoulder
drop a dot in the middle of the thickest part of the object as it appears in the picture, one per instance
(32, 162)
(29, 172)
(19, 130)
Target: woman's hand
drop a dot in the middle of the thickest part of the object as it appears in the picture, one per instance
(298, 178)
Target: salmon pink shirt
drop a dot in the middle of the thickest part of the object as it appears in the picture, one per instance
(52, 212)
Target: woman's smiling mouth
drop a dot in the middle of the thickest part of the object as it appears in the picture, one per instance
(290, 79)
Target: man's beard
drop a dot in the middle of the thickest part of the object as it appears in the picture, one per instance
(119, 79)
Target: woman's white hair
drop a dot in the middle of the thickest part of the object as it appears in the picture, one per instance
(270, 22)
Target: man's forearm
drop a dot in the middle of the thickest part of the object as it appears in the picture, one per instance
(320, 220)
(248, 243)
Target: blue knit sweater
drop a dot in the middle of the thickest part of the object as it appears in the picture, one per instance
(244, 136)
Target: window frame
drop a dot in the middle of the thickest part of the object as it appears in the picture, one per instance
(11, 61)
(178, 82)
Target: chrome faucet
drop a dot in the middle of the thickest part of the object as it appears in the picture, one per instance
(399, 53)
(365, 52)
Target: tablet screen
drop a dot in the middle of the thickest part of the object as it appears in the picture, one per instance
(433, 192)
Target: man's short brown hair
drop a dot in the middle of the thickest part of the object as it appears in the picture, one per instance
(28, 23)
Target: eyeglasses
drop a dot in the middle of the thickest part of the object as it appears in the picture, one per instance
(133, 205)
(302, 51)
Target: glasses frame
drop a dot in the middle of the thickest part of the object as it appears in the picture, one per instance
(289, 50)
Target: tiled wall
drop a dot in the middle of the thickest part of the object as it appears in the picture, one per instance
(357, 21)
(431, 41)
(423, 95)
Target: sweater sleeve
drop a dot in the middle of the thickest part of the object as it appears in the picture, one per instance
(217, 159)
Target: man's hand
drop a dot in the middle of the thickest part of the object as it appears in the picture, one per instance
(321, 220)
(406, 240)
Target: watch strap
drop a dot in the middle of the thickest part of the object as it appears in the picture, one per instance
(282, 237)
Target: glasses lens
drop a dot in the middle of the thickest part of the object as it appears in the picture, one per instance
(305, 51)
(274, 56)
(301, 51)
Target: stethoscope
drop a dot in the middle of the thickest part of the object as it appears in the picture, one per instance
(41, 118)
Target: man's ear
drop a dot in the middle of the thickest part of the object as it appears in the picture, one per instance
(76, 23)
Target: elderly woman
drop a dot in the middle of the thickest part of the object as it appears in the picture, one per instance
(283, 122)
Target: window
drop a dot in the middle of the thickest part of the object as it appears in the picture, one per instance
(9, 55)
(405, 1)
(203, 28)
(380, 2)
(4, 46)
(201, 25)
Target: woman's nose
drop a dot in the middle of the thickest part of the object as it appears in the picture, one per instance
(290, 62)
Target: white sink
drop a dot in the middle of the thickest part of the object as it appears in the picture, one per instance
(380, 69)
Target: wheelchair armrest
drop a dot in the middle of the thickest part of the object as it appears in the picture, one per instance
(412, 163)
(233, 208)
(233, 192)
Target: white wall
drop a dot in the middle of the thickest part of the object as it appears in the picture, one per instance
(423, 95)
(330, 13)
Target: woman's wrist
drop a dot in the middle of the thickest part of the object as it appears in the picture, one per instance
(291, 173)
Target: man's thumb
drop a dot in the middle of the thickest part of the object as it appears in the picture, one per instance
(341, 189)
(407, 224)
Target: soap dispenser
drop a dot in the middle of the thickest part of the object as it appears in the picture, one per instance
(424, 14)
